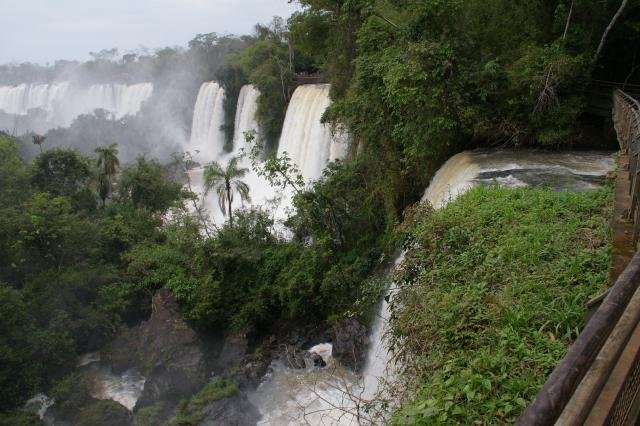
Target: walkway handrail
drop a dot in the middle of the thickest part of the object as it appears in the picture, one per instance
(626, 121)
(561, 385)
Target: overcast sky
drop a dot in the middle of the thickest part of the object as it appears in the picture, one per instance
(45, 30)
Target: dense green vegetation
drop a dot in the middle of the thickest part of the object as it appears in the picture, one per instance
(266, 63)
(85, 240)
(62, 285)
(414, 80)
(417, 80)
(190, 412)
(493, 289)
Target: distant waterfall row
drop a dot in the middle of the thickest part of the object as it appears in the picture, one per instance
(307, 141)
(62, 102)
(19, 99)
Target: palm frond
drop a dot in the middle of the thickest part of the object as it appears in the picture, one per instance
(243, 190)
(233, 171)
(213, 174)
(221, 191)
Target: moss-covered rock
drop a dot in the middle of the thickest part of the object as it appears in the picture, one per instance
(218, 403)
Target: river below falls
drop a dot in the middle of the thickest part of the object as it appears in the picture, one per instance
(334, 395)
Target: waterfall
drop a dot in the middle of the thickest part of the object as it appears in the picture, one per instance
(63, 102)
(207, 138)
(209, 141)
(119, 99)
(308, 142)
(331, 395)
(20, 99)
(575, 171)
(245, 116)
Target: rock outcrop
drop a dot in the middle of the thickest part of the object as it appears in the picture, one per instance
(350, 340)
(235, 410)
(165, 349)
(93, 412)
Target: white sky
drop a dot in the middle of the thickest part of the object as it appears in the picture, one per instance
(45, 30)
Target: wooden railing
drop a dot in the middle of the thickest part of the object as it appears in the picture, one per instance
(598, 381)
(626, 120)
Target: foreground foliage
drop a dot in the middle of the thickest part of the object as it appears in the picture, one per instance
(493, 290)
(62, 285)
(79, 262)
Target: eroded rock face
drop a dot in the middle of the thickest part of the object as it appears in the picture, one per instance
(165, 349)
(93, 413)
(232, 411)
(350, 340)
(233, 351)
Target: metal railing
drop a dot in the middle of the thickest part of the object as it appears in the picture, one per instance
(598, 381)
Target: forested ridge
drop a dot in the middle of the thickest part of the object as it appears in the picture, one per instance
(87, 238)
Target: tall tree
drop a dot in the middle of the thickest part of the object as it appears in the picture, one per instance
(226, 181)
(38, 140)
(108, 164)
(148, 185)
(61, 172)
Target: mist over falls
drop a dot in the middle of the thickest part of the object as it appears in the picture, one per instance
(309, 143)
(207, 137)
(64, 101)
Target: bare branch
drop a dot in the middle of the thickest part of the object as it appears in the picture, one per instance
(608, 29)
(566, 27)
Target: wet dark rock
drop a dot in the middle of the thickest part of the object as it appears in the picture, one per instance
(250, 374)
(294, 357)
(233, 352)
(350, 340)
(316, 360)
(94, 412)
(165, 349)
(235, 410)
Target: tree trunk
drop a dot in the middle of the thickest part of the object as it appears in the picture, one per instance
(566, 27)
(608, 29)
(228, 184)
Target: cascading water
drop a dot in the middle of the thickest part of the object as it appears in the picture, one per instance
(20, 99)
(208, 139)
(62, 101)
(511, 168)
(245, 117)
(307, 141)
(207, 136)
(334, 396)
(118, 99)
(125, 388)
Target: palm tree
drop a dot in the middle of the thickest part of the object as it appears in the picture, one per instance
(38, 140)
(108, 164)
(226, 181)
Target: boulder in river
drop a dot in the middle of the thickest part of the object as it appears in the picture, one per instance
(350, 340)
